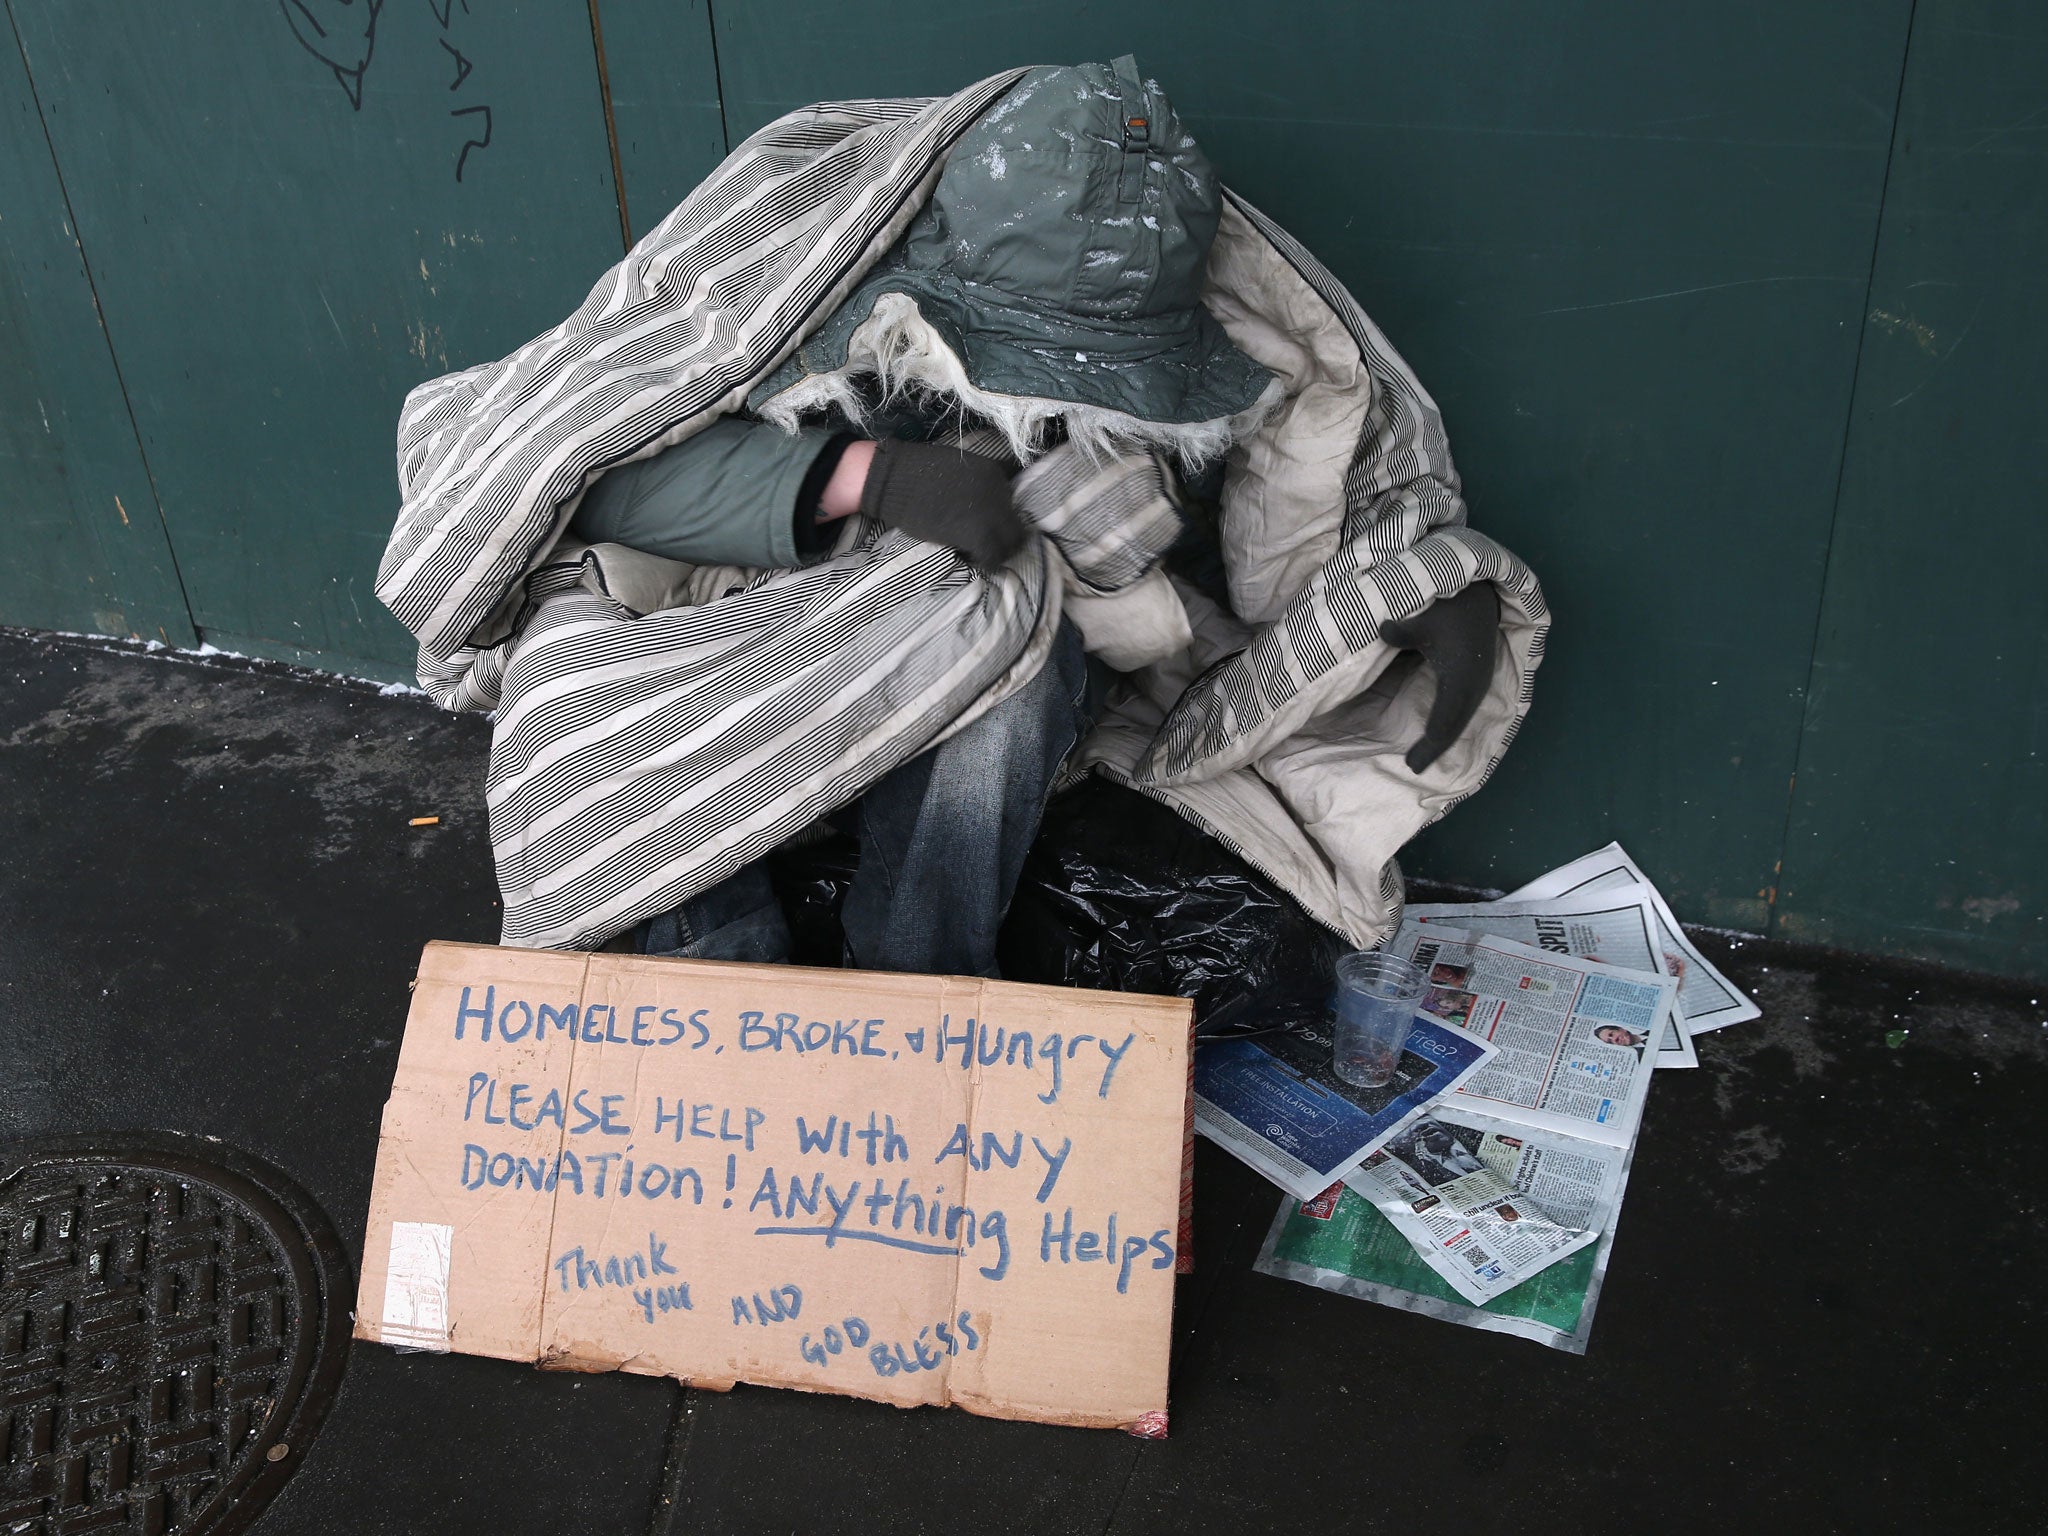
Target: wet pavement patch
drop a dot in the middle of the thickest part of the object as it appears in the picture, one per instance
(173, 1323)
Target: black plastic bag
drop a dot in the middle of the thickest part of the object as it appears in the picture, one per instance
(1118, 893)
(810, 880)
(1121, 892)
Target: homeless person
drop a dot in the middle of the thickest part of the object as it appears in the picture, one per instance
(738, 545)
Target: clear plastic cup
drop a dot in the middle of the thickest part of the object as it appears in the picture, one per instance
(1377, 996)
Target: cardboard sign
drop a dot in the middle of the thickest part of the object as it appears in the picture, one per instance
(920, 1189)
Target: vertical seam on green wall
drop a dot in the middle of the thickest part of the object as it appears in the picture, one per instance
(717, 76)
(35, 97)
(611, 127)
(1771, 916)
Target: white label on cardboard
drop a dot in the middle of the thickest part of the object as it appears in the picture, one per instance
(416, 1285)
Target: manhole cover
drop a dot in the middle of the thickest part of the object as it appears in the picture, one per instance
(173, 1320)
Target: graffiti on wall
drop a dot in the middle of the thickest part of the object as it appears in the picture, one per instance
(342, 34)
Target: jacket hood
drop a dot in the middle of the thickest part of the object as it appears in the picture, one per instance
(1056, 273)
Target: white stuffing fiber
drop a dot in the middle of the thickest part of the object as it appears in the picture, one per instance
(905, 356)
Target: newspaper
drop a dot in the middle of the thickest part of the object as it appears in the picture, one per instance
(1617, 928)
(1275, 1102)
(1485, 1202)
(1571, 977)
(1340, 1242)
(1555, 1112)
(1706, 999)
(1572, 1035)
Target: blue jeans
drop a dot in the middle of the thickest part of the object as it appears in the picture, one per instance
(942, 842)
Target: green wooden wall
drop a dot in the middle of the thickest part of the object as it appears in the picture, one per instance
(1920, 817)
(1731, 310)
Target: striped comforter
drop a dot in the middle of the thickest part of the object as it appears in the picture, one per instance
(658, 725)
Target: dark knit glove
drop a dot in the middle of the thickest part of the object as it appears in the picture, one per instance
(947, 496)
(1457, 636)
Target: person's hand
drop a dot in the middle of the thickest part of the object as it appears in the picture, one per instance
(930, 491)
(1457, 636)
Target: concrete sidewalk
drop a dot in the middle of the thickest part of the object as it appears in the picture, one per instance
(1822, 1312)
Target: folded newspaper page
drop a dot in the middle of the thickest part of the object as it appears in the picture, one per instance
(1553, 1117)
(1486, 1203)
(1275, 1102)
(1573, 1036)
(1340, 1242)
(1617, 928)
(1706, 999)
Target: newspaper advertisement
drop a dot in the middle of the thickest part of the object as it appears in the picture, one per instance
(1617, 928)
(1340, 1242)
(1488, 1203)
(1572, 1037)
(1706, 999)
(1275, 1102)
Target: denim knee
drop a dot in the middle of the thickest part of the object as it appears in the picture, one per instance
(739, 918)
(1026, 735)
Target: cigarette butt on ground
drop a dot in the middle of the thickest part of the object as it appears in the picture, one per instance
(424, 821)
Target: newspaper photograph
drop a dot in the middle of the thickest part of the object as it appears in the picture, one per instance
(1574, 1039)
(1486, 1203)
(1340, 1242)
(1617, 928)
(1706, 999)
(1275, 1102)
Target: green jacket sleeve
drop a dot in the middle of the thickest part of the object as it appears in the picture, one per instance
(728, 496)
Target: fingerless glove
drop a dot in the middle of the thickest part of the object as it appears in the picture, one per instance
(1458, 636)
(945, 495)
